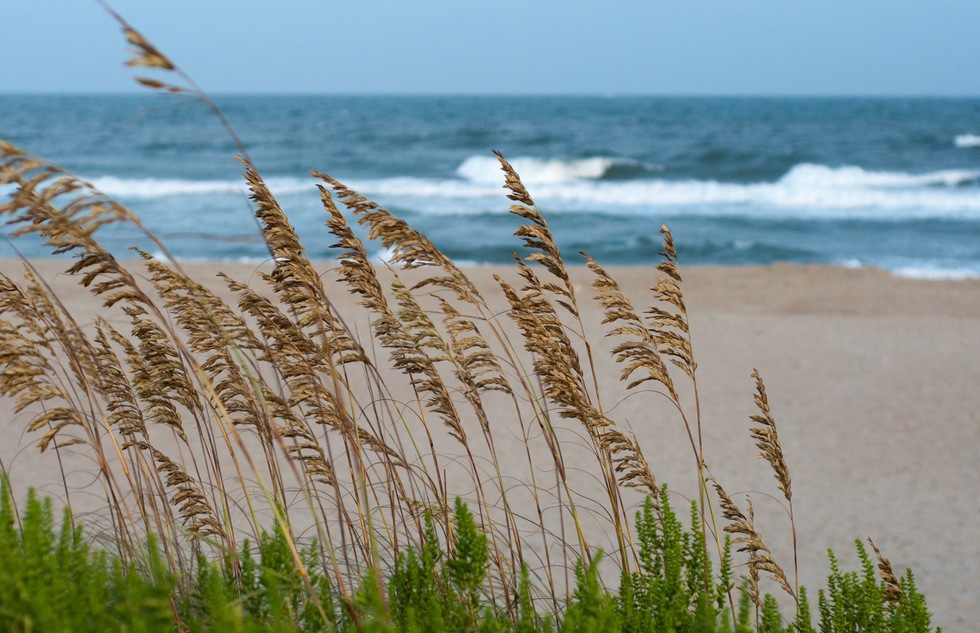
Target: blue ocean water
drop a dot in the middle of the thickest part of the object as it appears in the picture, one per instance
(891, 183)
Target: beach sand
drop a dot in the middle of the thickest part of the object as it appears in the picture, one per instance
(872, 379)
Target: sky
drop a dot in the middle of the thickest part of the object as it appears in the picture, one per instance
(659, 47)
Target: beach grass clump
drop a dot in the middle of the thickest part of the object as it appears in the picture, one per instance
(365, 443)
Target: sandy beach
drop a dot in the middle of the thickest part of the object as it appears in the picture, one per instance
(872, 380)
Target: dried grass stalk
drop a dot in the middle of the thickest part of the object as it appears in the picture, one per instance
(630, 464)
(122, 401)
(767, 440)
(160, 375)
(220, 338)
(193, 507)
(894, 593)
(641, 352)
(66, 212)
(557, 362)
(294, 279)
(671, 327)
(537, 236)
(33, 346)
(408, 247)
(750, 540)
(410, 356)
(476, 366)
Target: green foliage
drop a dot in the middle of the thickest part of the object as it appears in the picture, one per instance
(803, 621)
(263, 594)
(744, 620)
(53, 580)
(859, 601)
(430, 590)
(416, 601)
(593, 608)
(674, 589)
(372, 612)
(771, 620)
(528, 619)
(467, 570)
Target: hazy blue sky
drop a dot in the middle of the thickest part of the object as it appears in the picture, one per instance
(891, 47)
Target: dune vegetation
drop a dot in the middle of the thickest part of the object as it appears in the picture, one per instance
(278, 462)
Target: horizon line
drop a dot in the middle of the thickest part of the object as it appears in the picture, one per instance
(502, 95)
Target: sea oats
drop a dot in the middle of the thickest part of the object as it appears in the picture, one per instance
(122, 401)
(408, 247)
(767, 440)
(641, 351)
(412, 358)
(748, 539)
(556, 363)
(630, 464)
(66, 212)
(671, 328)
(294, 279)
(193, 506)
(537, 236)
(281, 370)
(894, 593)
(159, 374)
(220, 337)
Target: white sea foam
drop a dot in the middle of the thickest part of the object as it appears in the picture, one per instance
(147, 188)
(190, 259)
(805, 191)
(383, 256)
(429, 188)
(935, 273)
(810, 176)
(967, 140)
(925, 270)
(486, 170)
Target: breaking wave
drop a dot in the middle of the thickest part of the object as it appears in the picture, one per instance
(967, 140)
(805, 191)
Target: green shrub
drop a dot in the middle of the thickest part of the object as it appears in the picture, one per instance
(55, 581)
(859, 601)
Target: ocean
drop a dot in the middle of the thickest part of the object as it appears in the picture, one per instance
(860, 182)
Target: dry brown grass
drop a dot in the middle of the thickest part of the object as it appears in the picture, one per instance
(208, 415)
(208, 419)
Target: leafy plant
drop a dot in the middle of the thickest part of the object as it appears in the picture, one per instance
(55, 581)
(860, 601)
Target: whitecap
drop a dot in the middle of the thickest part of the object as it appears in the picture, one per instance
(148, 188)
(936, 273)
(806, 191)
(967, 140)
(486, 170)
(810, 192)
(812, 176)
